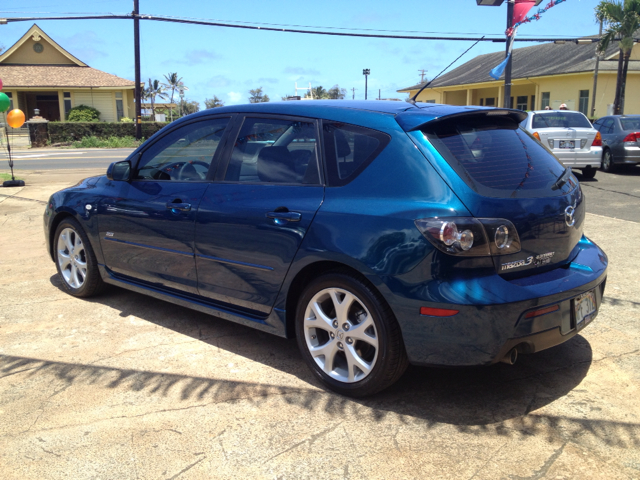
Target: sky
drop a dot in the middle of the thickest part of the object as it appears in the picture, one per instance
(229, 62)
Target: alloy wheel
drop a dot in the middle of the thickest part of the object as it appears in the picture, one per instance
(341, 335)
(72, 258)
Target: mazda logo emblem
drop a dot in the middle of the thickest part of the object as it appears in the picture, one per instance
(569, 216)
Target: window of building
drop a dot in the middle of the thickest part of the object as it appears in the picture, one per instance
(489, 102)
(119, 106)
(522, 102)
(67, 103)
(10, 100)
(583, 104)
(546, 100)
(533, 102)
(430, 101)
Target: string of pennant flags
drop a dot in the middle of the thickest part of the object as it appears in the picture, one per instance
(535, 16)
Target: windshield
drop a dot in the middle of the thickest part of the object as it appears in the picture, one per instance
(560, 120)
(495, 157)
(630, 123)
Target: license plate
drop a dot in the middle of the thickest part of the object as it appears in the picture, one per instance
(585, 309)
(567, 144)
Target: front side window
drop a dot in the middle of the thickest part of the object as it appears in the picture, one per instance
(560, 120)
(494, 156)
(271, 150)
(185, 154)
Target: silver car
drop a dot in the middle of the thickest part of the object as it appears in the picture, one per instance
(570, 137)
(620, 140)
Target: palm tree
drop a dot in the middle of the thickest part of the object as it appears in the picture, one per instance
(174, 83)
(155, 89)
(622, 19)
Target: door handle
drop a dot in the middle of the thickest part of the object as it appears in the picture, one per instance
(281, 217)
(184, 207)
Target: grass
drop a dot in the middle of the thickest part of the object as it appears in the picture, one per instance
(111, 142)
(7, 176)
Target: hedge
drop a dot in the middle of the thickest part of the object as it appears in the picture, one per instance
(61, 132)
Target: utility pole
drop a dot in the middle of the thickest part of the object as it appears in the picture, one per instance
(136, 46)
(379, 97)
(422, 74)
(507, 70)
(353, 91)
(595, 78)
(366, 72)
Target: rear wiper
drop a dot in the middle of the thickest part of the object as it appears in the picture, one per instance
(562, 179)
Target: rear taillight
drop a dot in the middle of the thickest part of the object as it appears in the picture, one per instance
(632, 137)
(472, 237)
(536, 135)
(597, 142)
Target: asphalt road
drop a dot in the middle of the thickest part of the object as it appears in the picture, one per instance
(615, 195)
(64, 159)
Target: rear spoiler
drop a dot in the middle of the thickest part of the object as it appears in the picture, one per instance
(408, 122)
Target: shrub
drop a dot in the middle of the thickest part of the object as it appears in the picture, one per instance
(83, 113)
(62, 132)
(111, 142)
(126, 120)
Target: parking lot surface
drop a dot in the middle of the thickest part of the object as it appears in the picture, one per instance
(127, 386)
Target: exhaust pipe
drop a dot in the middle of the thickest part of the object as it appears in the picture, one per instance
(511, 357)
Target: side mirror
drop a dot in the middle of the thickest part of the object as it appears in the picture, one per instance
(119, 171)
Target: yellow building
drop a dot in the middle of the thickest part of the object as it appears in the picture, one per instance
(39, 74)
(543, 75)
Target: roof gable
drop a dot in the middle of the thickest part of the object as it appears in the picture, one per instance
(36, 48)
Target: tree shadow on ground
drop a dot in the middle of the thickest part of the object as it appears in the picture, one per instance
(482, 400)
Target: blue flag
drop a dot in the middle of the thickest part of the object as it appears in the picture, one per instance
(498, 70)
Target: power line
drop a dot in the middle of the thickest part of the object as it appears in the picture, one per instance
(285, 30)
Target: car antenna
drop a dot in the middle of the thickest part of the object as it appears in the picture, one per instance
(412, 100)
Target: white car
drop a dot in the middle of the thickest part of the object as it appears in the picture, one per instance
(570, 137)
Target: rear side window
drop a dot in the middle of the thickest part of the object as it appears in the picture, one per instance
(560, 120)
(494, 156)
(349, 149)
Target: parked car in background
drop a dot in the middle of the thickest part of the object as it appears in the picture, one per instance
(570, 137)
(620, 140)
(376, 234)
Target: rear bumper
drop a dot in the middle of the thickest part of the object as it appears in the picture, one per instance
(631, 156)
(580, 159)
(482, 334)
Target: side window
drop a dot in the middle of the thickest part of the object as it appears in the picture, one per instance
(349, 149)
(607, 126)
(184, 154)
(597, 124)
(271, 150)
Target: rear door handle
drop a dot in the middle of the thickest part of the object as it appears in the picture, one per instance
(281, 217)
(184, 207)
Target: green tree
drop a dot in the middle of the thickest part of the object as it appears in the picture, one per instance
(174, 83)
(622, 19)
(214, 102)
(256, 96)
(188, 107)
(155, 89)
(319, 93)
(83, 113)
(337, 93)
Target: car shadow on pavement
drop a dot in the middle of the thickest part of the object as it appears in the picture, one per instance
(480, 400)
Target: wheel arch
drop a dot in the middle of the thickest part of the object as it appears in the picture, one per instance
(307, 274)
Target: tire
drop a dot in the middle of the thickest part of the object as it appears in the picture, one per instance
(589, 173)
(607, 161)
(362, 338)
(75, 260)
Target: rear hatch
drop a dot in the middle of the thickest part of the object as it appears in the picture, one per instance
(500, 171)
(564, 132)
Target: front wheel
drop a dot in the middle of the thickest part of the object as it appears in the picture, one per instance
(607, 161)
(75, 260)
(349, 336)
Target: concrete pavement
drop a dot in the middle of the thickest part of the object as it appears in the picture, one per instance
(126, 386)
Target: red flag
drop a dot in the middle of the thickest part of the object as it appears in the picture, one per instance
(520, 10)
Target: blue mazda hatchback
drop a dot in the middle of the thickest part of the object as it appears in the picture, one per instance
(377, 234)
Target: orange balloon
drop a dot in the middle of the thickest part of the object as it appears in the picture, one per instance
(15, 118)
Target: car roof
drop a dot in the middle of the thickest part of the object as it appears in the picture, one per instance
(407, 114)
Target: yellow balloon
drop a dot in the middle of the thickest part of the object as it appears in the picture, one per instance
(15, 118)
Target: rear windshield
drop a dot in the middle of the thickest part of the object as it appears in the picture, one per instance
(560, 120)
(630, 123)
(495, 157)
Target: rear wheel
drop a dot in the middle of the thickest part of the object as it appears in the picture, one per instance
(75, 260)
(607, 161)
(588, 172)
(349, 336)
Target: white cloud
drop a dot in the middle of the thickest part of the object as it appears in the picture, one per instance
(234, 98)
